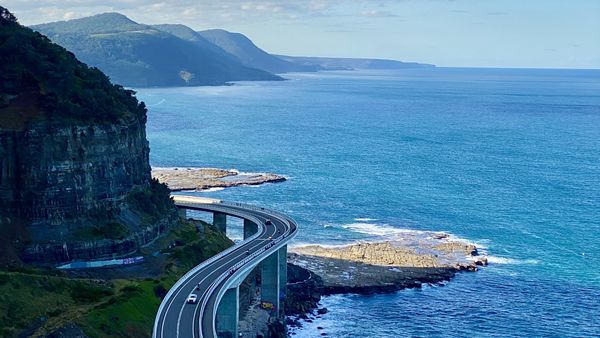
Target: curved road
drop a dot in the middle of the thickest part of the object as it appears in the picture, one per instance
(210, 279)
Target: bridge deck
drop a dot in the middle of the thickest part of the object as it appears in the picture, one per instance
(210, 279)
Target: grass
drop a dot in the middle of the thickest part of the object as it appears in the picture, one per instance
(114, 308)
(27, 296)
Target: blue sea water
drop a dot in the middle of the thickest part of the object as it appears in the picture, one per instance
(508, 159)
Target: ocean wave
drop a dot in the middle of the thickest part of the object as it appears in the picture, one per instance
(382, 230)
(323, 245)
(212, 189)
(408, 236)
(365, 219)
(156, 104)
(512, 261)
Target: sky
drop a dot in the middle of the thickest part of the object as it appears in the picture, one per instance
(451, 33)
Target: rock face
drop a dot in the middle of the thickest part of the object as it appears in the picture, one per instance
(303, 290)
(59, 179)
(52, 174)
(74, 174)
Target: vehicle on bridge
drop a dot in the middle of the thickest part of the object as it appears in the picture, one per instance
(192, 299)
(268, 222)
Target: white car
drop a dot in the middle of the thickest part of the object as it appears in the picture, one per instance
(192, 299)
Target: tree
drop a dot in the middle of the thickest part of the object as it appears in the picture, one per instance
(6, 17)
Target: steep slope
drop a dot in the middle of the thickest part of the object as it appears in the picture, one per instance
(327, 63)
(246, 51)
(74, 173)
(187, 34)
(139, 55)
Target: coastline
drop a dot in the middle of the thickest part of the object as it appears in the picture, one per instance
(371, 268)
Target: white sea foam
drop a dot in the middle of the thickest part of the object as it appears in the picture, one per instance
(365, 219)
(324, 245)
(512, 261)
(382, 230)
(157, 104)
(212, 189)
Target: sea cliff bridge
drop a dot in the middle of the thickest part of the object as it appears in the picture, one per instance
(216, 281)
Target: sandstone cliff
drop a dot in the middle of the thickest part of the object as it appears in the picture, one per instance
(74, 174)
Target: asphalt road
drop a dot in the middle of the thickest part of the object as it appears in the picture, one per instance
(176, 318)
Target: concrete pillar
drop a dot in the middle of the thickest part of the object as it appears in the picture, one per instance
(220, 221)
(269, 288)
(282, 278)
(182, 213)
(250, 228)
(228, 313)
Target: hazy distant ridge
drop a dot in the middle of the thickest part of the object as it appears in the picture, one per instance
(135, 54)
(139, 55)
(328, 63)
(250, 55)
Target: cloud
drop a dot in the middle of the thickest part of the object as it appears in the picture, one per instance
(373, 13)
(203, 12)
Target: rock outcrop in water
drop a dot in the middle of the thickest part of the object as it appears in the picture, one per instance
(385, 266)
(74, 174)
(205, 178)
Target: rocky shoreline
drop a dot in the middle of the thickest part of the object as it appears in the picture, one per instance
(179, 179)
(371, 267)
(379, 267)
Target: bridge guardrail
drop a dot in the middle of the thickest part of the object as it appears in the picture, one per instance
(256, 255)
(289, 234)
(198, 267)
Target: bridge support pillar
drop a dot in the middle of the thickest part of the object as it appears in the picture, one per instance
(228, 313)
(282, 279)
(182, 213)
(220, 221)
(250, 228)
(274, 280)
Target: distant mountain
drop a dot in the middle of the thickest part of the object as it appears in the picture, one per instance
(139, 55)
(250, 55)
(326, 63)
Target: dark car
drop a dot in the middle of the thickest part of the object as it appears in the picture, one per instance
(268, 222)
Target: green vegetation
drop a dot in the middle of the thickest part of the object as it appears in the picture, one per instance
(139, 55)
(153, 201)
(27, 296)
(112, 308)
(63, 87)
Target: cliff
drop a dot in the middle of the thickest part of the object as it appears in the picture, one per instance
(74, 174)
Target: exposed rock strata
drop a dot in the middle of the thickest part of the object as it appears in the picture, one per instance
(74, 174)
(205, 178)
(51, 174)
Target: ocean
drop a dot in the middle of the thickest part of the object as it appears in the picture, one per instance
(508, 159)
